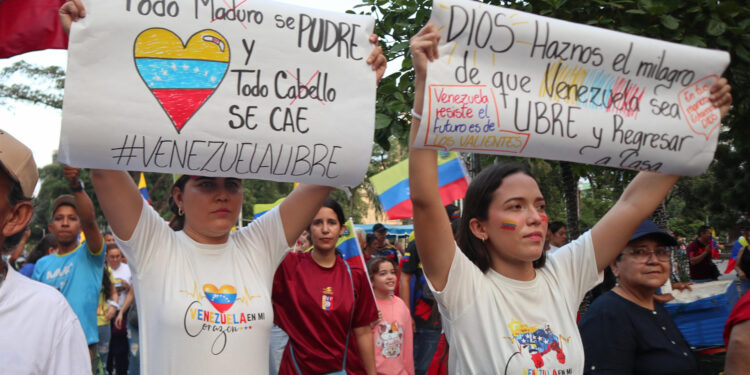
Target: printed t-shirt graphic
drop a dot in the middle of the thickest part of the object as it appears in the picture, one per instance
(537, 342)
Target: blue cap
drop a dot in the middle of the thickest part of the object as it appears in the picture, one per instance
(649, 227)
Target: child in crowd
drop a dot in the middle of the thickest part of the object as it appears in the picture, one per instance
(392, 334)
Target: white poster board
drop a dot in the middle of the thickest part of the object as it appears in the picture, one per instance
(514, 83)
(248, 89)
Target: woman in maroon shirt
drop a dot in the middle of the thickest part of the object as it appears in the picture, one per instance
(324, 305)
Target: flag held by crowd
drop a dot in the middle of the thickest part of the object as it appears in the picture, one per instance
(143, 188)
(349, 246)
(27, 26)
(392, 185)
(260, 209)
(739, 244)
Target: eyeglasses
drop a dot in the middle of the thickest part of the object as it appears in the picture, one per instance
(641, 254)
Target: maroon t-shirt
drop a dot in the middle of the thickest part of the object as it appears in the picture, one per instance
(702, 270)
(313, 304)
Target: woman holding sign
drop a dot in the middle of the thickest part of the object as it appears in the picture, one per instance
(506, 308)
(204, 294)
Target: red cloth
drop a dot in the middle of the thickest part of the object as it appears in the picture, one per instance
(439, 364)
(739, 314)
(300, 289)
(30, 25)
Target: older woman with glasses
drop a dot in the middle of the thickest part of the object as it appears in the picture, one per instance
(627, 330)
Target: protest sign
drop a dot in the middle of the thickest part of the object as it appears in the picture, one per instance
(220, 88)
(514, 83)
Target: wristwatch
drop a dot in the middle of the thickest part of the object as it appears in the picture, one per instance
(78, 187)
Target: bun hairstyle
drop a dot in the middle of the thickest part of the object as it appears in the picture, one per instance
(178, 221)
(479, 195)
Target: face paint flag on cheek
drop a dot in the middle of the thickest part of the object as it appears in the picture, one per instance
(545, 219)
(508, 225)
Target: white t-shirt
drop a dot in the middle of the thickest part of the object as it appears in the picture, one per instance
(552, 249)
(497, 325)
(121, 274)
(204, 309)
(39, 332)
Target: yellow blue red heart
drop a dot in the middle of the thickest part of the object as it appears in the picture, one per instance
(181, 76)
(222, 298)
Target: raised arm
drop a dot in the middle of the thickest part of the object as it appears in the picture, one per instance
(641, 197)
(432, 229)
(85, 208)
(119, 199)
(299, 208)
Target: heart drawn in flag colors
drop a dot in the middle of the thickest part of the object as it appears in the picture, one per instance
(181, 76)
(222, 298)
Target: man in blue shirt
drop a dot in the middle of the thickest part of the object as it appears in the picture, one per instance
(76, 269)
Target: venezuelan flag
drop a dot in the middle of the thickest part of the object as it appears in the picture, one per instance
(714, 246)
(739, 244)
(261, 208)
(392, 185)
(349, 247)
(143, 188)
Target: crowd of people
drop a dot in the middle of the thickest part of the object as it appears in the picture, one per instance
(493, 289)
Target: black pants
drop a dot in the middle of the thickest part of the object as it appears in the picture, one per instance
(118, 350)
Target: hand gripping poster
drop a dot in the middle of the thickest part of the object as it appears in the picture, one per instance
(514, 83)
(247, 89)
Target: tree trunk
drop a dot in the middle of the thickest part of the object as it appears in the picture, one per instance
(660, 217)
(570, 191)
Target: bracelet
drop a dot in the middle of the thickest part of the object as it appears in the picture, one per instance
(113, 304)
(416, 115)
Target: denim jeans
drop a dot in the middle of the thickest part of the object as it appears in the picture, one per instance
(425, 345)
(134, 367)
(279, 339)
(102, 348)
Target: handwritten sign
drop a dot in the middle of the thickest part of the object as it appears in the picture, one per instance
(220, 88)
(514, 83)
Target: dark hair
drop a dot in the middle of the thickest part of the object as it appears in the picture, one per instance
(476, 205)
(42, 248)
(373, 265)
(107, 233)
(106, 284)
(336, 207)
(15, 196)
(555, 226)
(178, 221)
(744, 261)
(702, 229)
(112, 246)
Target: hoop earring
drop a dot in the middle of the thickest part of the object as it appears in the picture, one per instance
(180, 212)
